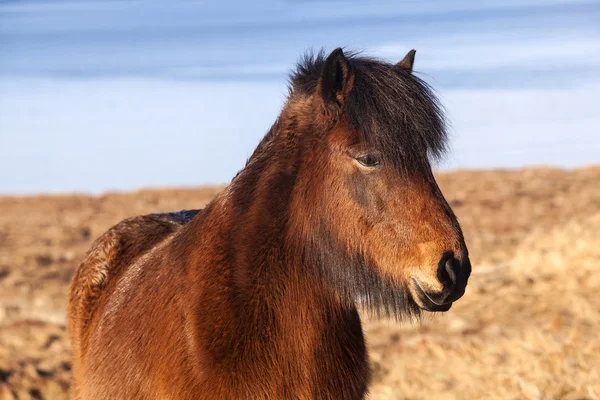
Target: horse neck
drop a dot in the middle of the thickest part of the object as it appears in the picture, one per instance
(270, 296)
(266, 313)
(267, 270)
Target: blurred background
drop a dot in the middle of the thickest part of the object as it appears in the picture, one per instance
(110, 109)
(104, 95)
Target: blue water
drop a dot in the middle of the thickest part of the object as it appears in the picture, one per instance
(102, 95)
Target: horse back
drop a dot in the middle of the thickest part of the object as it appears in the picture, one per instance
(109, 258)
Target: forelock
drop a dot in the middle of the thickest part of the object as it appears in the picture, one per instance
(394, 111)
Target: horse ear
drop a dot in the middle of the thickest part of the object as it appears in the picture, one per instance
(336, 78)
(408, 61)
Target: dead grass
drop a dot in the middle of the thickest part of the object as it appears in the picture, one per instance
(527, 328)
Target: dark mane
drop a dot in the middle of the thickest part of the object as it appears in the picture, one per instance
(395, 112)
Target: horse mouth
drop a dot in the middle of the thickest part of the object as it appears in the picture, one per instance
(424, 301)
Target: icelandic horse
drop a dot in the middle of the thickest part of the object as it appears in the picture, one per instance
(255, 296)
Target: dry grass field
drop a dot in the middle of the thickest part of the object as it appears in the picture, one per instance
(528, 326)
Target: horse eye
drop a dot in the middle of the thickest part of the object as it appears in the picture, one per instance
(368, 160)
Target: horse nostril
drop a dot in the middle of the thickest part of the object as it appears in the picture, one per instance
(453, 274)
(452, 267)
(448, 270)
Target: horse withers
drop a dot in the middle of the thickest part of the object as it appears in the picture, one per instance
(255, 296)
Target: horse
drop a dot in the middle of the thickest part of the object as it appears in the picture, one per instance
(256, 296)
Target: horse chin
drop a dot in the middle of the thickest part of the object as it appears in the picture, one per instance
(435, 307)
(424, 302)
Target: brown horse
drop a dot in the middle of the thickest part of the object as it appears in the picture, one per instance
(255, 296)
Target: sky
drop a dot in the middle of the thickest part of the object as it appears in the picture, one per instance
(117, 95)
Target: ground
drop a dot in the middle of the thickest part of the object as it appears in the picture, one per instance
(527, 328)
